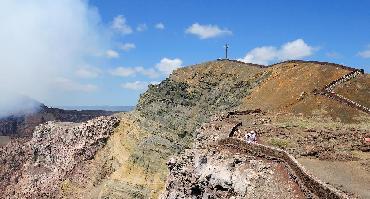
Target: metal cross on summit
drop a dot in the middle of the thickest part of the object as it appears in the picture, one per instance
(226, 49)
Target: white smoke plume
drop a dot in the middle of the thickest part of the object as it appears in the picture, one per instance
(41, 41)
(13, 104)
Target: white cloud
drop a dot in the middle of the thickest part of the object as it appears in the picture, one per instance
(333, 55)
(365, 53)
(166, 65)
(41, 40)
(141, 27)
(137, 85)
(70, 85)
(120, 25)
(151, 73)
(261, 55)
(132, 71)
(112, 54)
(127, 46)
(296, 49)
(88, 72)
(155, 83)
(123, 71)
(207, 31)
(159, 26)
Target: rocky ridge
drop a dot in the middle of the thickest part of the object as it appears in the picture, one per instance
(38, 166)
(23, 124)
(133, 163)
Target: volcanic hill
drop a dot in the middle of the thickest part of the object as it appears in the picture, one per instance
(310, 110)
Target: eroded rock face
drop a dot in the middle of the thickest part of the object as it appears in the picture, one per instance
(209, 170)
(204, 173)
(36, 168)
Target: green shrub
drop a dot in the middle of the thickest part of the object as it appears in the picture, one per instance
(280, 143)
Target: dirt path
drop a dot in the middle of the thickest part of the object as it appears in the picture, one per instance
(348, 176)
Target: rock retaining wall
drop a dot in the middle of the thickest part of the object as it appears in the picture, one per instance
(309, 184)
(328, 91)
(316, 62)
(243, 112)
(294, 61)
(240, 62)
(346, 101)
(330, 87)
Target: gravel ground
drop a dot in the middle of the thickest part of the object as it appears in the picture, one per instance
(349, 176)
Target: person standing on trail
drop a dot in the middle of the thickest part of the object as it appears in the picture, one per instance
(247, 138)
(251, 137)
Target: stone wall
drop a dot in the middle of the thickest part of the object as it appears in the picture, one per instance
(295, 61)
(317, 62)
(330, 87)
(308, 183)
(328, 91)
(240, 62)
(346, 101)
(243, 112)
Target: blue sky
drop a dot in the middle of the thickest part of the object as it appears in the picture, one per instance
(140, 42)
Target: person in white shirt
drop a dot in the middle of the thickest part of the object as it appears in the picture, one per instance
(251, 137)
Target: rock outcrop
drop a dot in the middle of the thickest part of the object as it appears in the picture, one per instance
(209, 171)
(36, 168)
(224, 174)
(219, 166)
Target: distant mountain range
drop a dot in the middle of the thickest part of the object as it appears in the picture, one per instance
(103, 108)
(19, 114)
(22, 124)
